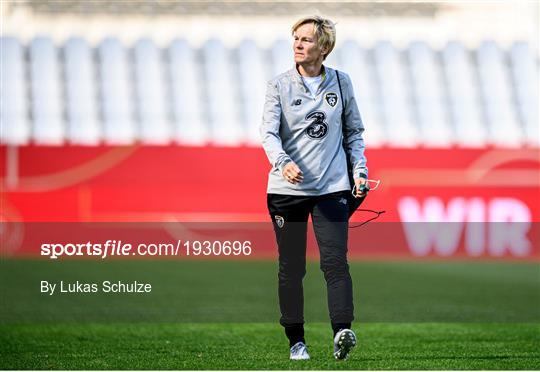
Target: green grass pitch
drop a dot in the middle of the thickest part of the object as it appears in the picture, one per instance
(223, 315)
(262, 346)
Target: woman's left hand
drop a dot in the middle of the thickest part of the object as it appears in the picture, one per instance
(358, 182)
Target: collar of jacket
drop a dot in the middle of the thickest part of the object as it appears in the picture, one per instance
(297, 78)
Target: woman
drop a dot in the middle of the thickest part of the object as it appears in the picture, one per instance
(305, 140)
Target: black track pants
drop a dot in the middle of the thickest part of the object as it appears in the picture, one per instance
(329, 214)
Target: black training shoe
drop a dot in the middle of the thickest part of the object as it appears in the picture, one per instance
(344, 341)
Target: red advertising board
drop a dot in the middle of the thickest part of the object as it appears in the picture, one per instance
(484, 202)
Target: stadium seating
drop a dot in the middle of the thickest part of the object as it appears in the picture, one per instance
(186, 93)
(428, 97)
(151, 93)
(355, 61)
(221, 100)
(393, 83)
(503, 127)
(13, 98)
(527, 83)
(463, 96)
(46, 92)
(114, 93)
(252, 80)
(80, 82)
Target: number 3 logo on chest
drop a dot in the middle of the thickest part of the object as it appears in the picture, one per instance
(318, 128)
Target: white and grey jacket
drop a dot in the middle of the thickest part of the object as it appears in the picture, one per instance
(307, 129)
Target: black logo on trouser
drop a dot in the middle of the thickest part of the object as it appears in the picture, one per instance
(318, 128)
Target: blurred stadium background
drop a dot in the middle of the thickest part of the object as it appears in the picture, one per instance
(144, 115)
(149, 110)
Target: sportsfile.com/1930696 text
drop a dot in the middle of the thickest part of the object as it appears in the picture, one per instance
(117, 248)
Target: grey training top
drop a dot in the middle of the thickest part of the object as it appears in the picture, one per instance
(307, 129)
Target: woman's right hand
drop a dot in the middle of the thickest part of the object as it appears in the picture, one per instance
(292, 173)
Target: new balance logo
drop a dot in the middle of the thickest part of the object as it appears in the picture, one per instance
(297, 102)
(343, 201)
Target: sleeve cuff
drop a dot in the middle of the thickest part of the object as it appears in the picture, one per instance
(282, 164)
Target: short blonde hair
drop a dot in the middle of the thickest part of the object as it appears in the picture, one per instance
(324, 28)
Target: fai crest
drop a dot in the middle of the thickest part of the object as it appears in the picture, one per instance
(331, 99)
(279, 220)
